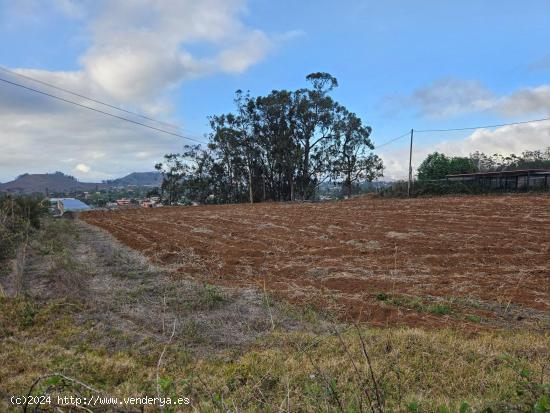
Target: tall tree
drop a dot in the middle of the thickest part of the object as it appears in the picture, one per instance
(315, 129)
(276, 147)
(173, 169)
(352, 162)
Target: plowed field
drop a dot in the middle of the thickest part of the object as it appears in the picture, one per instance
(477, 262)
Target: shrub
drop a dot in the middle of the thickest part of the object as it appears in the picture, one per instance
(18, 216)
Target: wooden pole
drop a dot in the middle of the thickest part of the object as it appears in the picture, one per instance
(410, 165)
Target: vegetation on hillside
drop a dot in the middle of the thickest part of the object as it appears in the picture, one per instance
(277, 147)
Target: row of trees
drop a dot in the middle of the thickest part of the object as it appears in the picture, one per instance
(277, 147)
(438, 165)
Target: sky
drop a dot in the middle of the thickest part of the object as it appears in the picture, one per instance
(400, 64)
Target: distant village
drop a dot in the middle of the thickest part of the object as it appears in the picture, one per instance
(59, 206)
(101, 200)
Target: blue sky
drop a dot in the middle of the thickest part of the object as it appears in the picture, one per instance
(400, 65)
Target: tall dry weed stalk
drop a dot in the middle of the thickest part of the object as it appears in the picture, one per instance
(19, 263)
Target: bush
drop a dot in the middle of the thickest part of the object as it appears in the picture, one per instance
(18, 216)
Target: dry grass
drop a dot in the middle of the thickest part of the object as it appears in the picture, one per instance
(412, 366)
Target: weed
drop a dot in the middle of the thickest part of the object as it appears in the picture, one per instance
(191, 332)
(209, 297)
(415, 303)
(473, 318)
(440, 309)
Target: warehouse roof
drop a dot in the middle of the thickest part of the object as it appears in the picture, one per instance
(71, 204)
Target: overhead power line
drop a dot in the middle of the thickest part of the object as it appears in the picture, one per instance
(392, 140)
(86, 97)
(100, 111)
(197, 140)
(462, 129)
(483, 127)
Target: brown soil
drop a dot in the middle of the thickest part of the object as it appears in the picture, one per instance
(486, 256)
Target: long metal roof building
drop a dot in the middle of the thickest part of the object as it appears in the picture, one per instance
(69, 205)
(517, 179)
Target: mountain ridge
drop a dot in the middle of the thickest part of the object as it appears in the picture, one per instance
(60, 182)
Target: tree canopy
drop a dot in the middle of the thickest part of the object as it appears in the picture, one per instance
(277, 147)
(437, 165)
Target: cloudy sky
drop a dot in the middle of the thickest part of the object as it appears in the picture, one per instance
(401, 64)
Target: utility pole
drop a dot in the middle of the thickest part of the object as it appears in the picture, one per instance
(410, 165)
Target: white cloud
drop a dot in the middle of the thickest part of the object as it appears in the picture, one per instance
(138, 53)
(138, 49)
(67, 138)
(534, 100)
(504, 140)
(449, 97)
(396, 163)
(241, 57)
(82, 167)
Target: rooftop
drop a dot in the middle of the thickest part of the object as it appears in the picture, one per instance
(72, 204)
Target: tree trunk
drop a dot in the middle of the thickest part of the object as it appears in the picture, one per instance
(305, 172)
(348, 182)
(250, 191)
(263, 176)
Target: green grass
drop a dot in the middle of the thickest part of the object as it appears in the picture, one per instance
(415, 303)
(439, 309)
(473, 318)
(209, 297)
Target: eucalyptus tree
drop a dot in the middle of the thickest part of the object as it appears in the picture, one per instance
(354, 161)
(314, 130)
(278, 150)
(281, 146)
(173, 169)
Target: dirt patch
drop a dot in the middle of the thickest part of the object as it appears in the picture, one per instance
(119, 292)
(493, 250)
(403, 235)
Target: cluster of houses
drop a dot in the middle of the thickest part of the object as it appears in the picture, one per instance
(152, 202)
(60, 206)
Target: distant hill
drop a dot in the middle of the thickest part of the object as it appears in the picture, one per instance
(42, 183)
(59, 182)
(137, 179)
